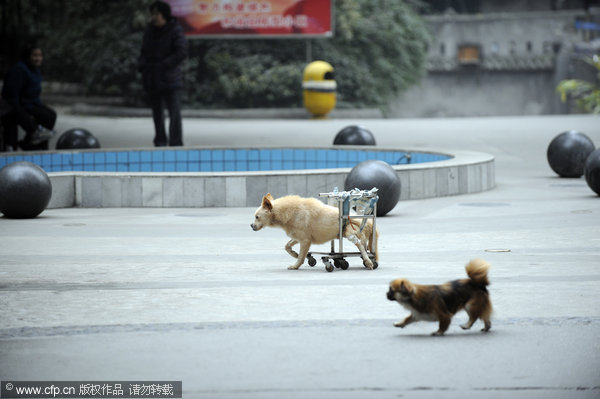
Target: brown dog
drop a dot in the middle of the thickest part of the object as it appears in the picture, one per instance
(309, 221)
(441, 302)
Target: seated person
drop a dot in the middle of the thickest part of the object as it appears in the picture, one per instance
(21, 91)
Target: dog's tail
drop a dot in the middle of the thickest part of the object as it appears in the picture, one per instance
(477, 270)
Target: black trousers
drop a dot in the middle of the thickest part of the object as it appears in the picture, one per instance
(158, 100)
(28, 119)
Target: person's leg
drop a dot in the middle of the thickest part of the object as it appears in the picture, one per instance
(158, 116)
(44, 119)
(44, 115)
(28, 123)
(25, 120)
(175, 125)
(48, 120)
(10, 131)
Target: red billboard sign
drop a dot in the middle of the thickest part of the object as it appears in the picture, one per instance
(254, 18)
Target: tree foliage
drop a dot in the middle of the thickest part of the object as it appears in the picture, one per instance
(586, 94)
(378, 50)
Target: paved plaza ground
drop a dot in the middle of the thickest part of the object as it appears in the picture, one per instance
(193, 294)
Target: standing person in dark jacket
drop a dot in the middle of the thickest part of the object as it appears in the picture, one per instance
(163, 50)
(21, 91)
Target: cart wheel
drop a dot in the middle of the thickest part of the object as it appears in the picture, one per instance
(311, 261)
(338, 263)
(328, 266)
(375, 265)
(344, 264)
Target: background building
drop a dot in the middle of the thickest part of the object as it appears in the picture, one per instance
(502, 58)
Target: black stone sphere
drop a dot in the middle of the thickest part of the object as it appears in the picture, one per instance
(25, 190)
(354, 135)
(567, 153)
(592, 171)
(77, 138)
(375, 173)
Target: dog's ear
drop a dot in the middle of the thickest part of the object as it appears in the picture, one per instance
(405, 287)
(397, 285)
(266, 202)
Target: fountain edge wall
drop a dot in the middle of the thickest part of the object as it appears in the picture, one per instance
(466, 173)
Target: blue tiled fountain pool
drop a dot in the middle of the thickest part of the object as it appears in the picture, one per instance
(214, 160)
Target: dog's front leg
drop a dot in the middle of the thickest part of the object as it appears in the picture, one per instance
(443, 325)
(288, 248)
(304, 247)
(405, 322)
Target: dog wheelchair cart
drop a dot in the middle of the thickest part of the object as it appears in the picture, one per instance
(363, 203)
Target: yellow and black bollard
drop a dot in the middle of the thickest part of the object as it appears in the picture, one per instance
(319, 88)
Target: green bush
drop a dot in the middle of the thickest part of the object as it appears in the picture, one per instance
(249, 73)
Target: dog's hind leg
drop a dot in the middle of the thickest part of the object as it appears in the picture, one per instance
(288, 248)
(487, 324)
(486, 315)
(362, 250)
(471, 311)
(478, 308)
(304, 247)
(469, 324)
(373, 244)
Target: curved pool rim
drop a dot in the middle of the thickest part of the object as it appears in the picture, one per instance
(465, 172)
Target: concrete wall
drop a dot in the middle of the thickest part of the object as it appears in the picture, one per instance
(479, 93)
